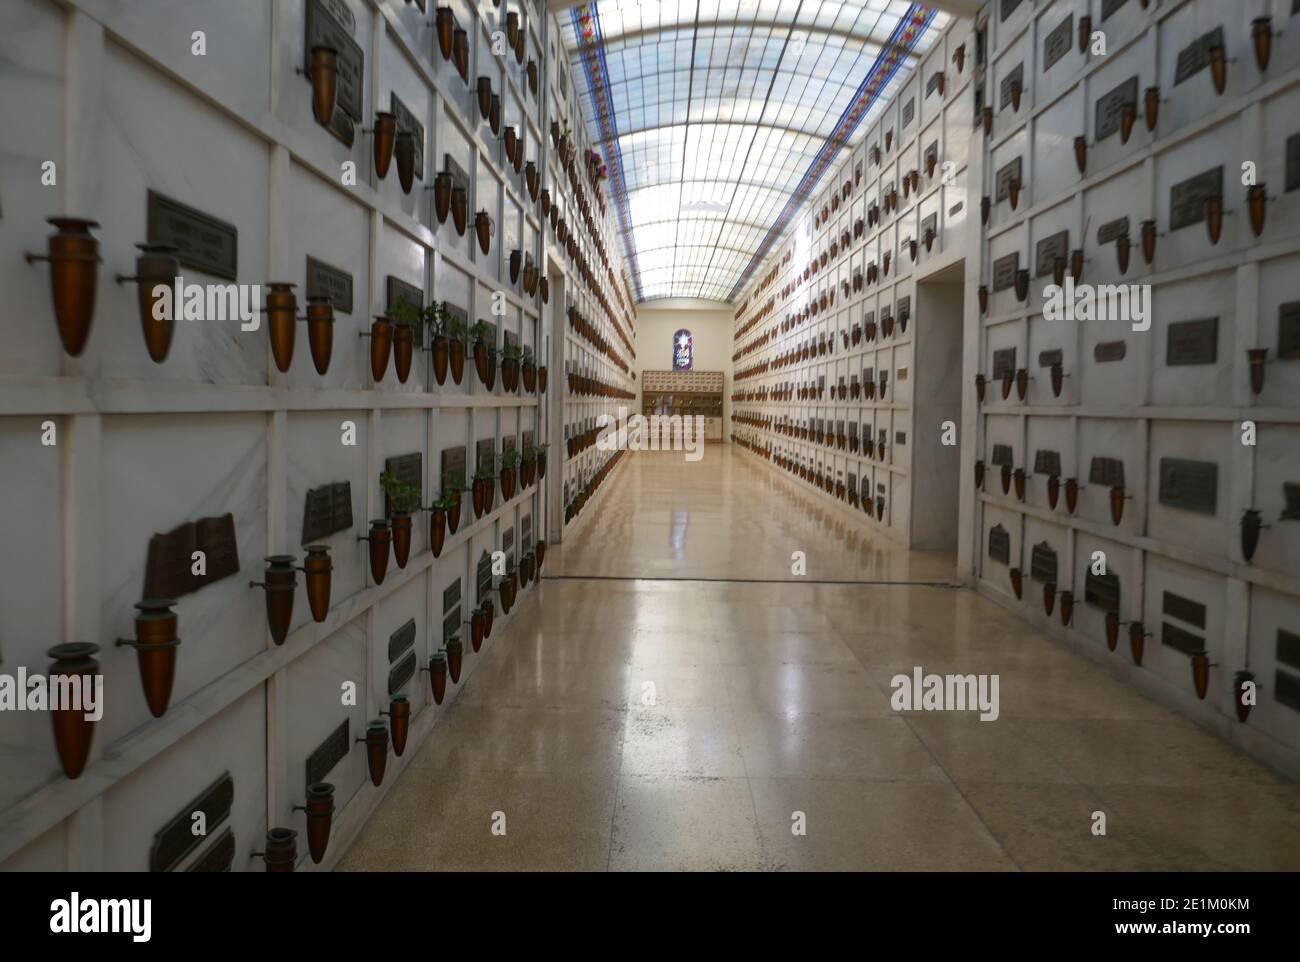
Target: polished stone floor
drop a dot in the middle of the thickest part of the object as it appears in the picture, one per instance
(630, 719)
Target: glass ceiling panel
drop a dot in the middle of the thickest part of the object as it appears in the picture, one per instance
(720, 110)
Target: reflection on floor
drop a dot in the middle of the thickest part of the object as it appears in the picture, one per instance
(677, 724)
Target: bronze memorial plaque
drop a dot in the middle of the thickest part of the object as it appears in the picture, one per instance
(401, 673)
(1003, 454)
(1184, 609)
(1000, 544)
(1112, 230)
(1042, 563)
(1106, 472)
(1048, 463)
(909, 113)
(1101, 591)
(175, 840)
(1192, 342)
(406, 122)
(170, 560)
(1106, 351)
(1187, 198)
(332, 282)
(1195, 57)
(1288, 331)
(485, 454)
(408, 469)
(201, 241)
(1013, 76)
(1005, 175)
(1049, 250)
(1008, 8)
(400, 640)
(326, 509)
(1108, 8)
(1110, 108)
(331, 23)
(1049, 358)
(1180, 639)
(458, 176)
(1004, 362)
(218, 856)
(1292, 163)
(483, 576)
(1058, 42)
(329, 753)
(1190, 485)
(1004, 271)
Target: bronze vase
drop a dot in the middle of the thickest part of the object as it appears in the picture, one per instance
(381, 344)
(444, 24)
(281, 580)
(1071, 494)
(1136, 641)
(1067, 607)
(484, 229)
(1081, 153)
(1261, 36)
(403, 349)
(478, 497)
(1256, 199)
(1122, 250)
(1151, 107)
(281, 317)
(1112, 629)
(1049, 597)
(453, 512)
(484, 90)
(1053, 491)
(439, 351)
(379, 539)
(1116, 503)
(460, 52)
(73, 254)
(476, 623)
(1256, 357)
(459, 209)
(376, 751)
(1240, 681)
(437, 530)
(441, 196)
(320, 332)
(455, 650)
(438, 675)
(399, 720)
(401, 530)
(489, 613)
(494, 115)
(320, 818)
(1017, 582)
(323, 72)
(1214, 218)
(281, 850)
(405, 153)
(155, 646)
(385, 134)
(317, 572)
(156, 267)
(456, 355)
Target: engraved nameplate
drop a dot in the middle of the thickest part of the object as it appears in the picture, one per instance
(1014, 76)
(1291, 501)
(1293, 162)
(1184, 609)
(451, 626)
(1108, 472)
(400, 640)
(1004, 362)
(407, 469)
(526, 532)
(1112, 230)
(1004, 271)
(1288, 649)
(1106, 351)
(1288, 331)
(1195, 57)
(1049, 250)
(1101, 591)
(1180, 639)
(485, 455)
(1006, 174)
(175, 840)
(904, 310)
(170, 560)
(1008, 8)
(1003, 454)
(1110, 108)
(909, 112)
(218, 856)
(326, 509)
(332, 25)
(932, 83)
(1190, 485)
(1000, 544)
(453, 466)
(459, 179)
(930, 224)
(332, 282)
(329, 753)
(406, 122)
(483, 576)
(1108, 7)
(1192, 342)
(1286, 689)
(1042, 563)
(1050, 358)
(1048, 463)
(401, 673)
(451, 597)
(1058, 42)
(1187, 198)
(201, 241)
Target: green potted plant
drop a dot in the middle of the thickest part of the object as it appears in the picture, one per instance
(457, 336)
(509, 461)
(403, 499)
(511, 355)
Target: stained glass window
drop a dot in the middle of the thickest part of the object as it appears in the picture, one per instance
(683, 350)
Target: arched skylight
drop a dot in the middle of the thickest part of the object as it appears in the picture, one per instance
(713, 114)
